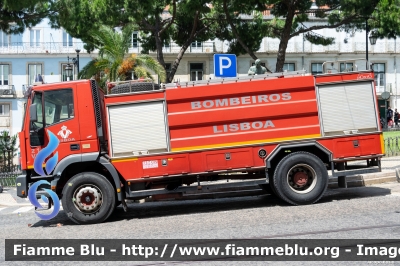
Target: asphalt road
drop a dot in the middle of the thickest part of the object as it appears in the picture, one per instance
(356, 213)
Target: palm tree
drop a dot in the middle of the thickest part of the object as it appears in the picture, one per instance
(114, 62)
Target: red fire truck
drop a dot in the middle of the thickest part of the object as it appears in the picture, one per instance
(282, 132)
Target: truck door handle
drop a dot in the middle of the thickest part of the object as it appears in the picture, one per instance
(74, 147)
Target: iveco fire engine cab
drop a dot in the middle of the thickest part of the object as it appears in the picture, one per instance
(283, 132)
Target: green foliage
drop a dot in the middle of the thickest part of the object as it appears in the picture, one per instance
(385, 20)
(318, 39)
(16, 16)
(8, 147)
(291, 16)
(114, 62)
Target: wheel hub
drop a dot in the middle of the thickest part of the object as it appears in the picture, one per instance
(300, 179)
(88, 198)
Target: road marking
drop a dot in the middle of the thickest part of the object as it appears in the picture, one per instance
(23, 209)
(2, 209)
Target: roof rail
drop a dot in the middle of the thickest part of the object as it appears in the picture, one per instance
(342, 66)
(233, 80)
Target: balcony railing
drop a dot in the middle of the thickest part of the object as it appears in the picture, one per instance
(40, 48)
(217, 46)
(7, 91)
(172, 48)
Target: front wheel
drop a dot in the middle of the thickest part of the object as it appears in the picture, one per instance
(88, 198)
(300, 178)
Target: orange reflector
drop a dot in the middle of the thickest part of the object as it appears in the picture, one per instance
(118, 190)
(23, 192)
(129, 183)
(53, 188)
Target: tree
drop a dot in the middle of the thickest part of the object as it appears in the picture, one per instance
(114, 60)
(16, 16)
(8, 148)
(290, 17)
(385, 20)
(184, 23)
(245, 29)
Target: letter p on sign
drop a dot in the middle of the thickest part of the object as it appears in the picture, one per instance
(225, 65)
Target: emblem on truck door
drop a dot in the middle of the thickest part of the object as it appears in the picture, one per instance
(64, 133)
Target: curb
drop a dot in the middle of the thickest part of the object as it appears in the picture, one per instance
(366, 179)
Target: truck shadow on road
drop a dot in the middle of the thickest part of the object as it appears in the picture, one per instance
(149, 210)
(170, 208)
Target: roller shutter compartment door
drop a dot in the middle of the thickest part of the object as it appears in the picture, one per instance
(137, 128)
(347, 108)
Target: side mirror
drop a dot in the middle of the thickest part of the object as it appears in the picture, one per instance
(33, 113)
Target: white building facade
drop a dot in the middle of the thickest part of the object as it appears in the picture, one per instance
(45, 51)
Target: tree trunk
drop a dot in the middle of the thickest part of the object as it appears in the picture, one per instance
(182, 51)
(159, 42)
(234, 30)
(285, 37)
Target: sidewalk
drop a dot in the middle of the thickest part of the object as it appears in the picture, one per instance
(388, 174)
(388, 164)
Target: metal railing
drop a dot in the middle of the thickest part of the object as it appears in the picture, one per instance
(61, 48)
(392, 146)
(8, 174)
(7, 91)
(41, 47)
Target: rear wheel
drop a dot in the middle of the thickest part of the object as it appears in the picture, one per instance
(88, 198)
(300, 178)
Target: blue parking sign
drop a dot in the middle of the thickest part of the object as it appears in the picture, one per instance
(225, 65)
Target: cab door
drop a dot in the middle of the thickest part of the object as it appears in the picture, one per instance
(53, 125)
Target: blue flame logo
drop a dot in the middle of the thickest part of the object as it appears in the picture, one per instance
(38, 167)
(44, 153)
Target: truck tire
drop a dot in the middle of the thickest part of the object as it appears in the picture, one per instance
(300, 178)
(88, 198)
(137, 86)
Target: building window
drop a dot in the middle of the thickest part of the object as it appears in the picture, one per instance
(4, 39)
(316, 68)
(345, 67)
(379, 73)
(33, 71)
(288, 67)
(34, 37)
(67, 39)
(196, 71)
(16, 40)
(135, 40)
(166, 43)
(4, 110)
(196, 44)
(4, 71)
(64, 73)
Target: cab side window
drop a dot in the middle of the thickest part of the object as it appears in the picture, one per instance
(58, 106)
(36, 128)
(51, 107)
